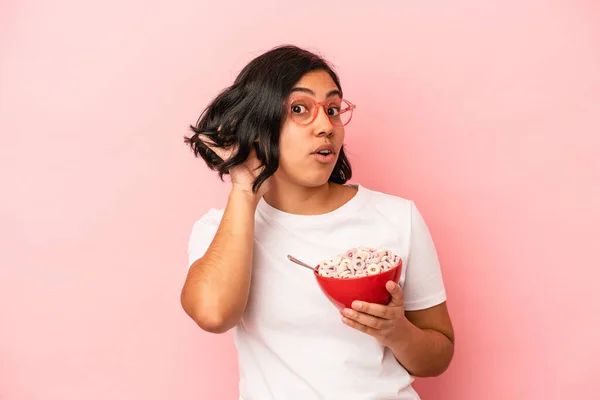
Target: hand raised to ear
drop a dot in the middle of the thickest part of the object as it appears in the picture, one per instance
(242, 176)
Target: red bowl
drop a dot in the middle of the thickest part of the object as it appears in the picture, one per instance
(342, 292)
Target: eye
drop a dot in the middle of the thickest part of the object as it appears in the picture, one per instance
(298, 108)
(333, 110)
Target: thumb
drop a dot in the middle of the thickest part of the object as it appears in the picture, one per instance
(397, 296)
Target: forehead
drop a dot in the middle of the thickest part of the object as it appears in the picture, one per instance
(320, 82)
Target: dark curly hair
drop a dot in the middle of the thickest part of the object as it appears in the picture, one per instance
(251, 112)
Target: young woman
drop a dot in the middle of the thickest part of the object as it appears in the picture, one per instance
(278, 131)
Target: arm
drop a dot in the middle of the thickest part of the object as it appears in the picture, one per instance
(216, 289)
(427, 347)
(415, 325)
(422, 341)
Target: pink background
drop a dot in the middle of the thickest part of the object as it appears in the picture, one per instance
(487, 115)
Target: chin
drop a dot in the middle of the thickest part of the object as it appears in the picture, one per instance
(315, 182)
(299, 177)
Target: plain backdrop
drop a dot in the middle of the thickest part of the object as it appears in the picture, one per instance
(486, 114)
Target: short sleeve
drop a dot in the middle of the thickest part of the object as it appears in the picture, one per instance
(202, 235)
(424, 285)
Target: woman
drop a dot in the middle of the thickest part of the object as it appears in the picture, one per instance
(278, 131)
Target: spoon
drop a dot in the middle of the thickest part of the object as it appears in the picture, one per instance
(295, 260)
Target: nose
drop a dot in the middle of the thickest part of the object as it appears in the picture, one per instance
(322, 124)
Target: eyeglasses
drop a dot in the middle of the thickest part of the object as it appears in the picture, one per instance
(304, 110)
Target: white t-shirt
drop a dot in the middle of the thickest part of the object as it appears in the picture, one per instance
(291, 341)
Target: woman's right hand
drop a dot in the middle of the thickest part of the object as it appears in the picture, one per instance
(242, 176)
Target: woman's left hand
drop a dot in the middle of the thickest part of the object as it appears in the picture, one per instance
(386, 323)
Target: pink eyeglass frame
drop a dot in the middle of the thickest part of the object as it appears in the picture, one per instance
(318, 105)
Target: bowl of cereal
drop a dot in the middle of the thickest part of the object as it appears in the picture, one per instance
(358, 274)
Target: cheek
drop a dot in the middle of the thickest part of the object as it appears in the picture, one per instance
(292, 146)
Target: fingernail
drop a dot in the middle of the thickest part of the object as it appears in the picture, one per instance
(357, 306)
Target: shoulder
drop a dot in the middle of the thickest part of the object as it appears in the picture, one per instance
(210, 218)
(387, 202)
(206, 225)
(399, 211)
(202, 234)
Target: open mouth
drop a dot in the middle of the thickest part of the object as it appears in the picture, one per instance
(324, 156)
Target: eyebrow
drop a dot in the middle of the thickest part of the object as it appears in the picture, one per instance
(331, 93)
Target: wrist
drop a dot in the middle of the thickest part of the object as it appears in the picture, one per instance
(404, 339)
(245, 195)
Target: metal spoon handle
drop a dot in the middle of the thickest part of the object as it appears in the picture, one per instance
(295, 260)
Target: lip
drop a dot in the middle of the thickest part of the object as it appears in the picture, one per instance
(329, 147)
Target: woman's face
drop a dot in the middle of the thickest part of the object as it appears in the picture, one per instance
(300, 159)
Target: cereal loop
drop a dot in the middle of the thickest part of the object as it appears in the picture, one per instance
(358, 262)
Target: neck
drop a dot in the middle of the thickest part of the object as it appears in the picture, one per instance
(302, 200)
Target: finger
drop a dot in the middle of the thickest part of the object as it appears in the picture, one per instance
(385, 312)
(206, 140)
(396, 292)
(366, 319)
(225, 154)
(361, 327)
